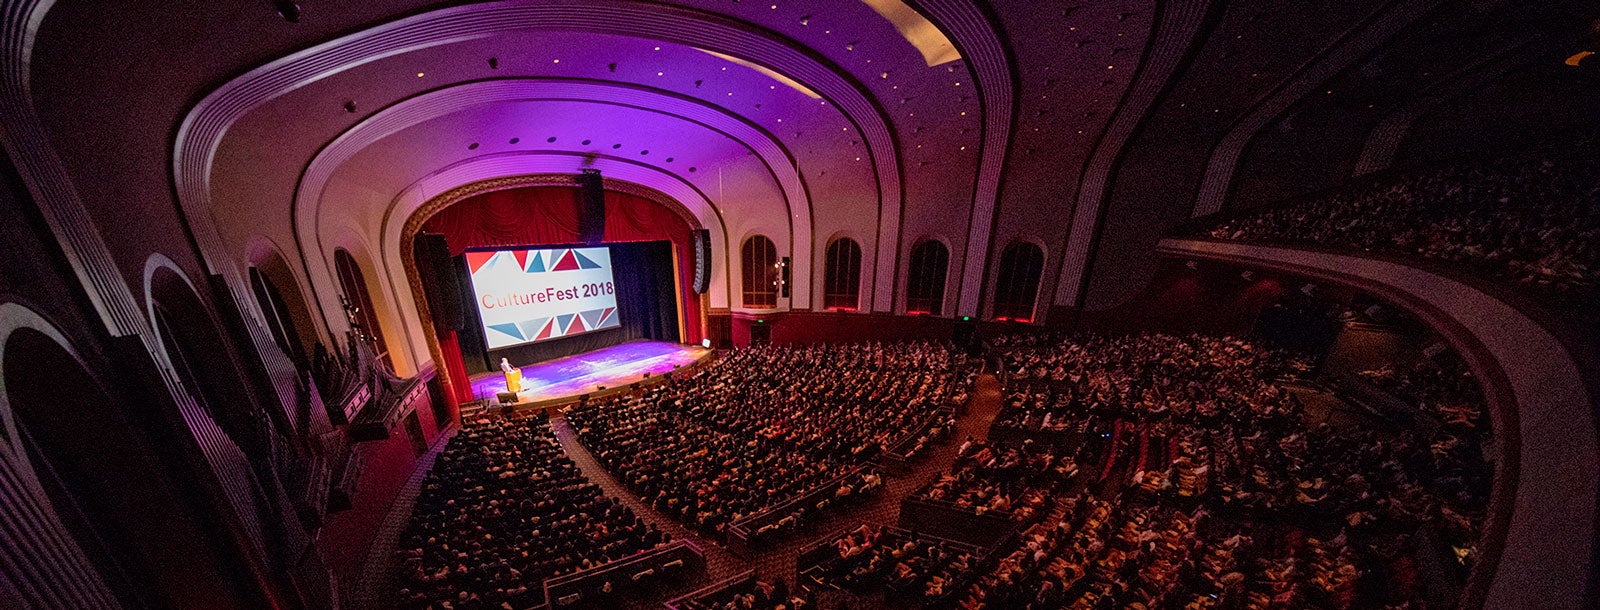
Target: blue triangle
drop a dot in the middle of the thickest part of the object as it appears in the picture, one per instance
(564, 321)
(536, 263)
(510, 329)
(584, 262)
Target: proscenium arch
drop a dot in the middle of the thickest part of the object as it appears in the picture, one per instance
(777, 159)
(417, 216)
(203, 130)
(621, 174)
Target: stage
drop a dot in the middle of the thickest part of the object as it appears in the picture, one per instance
(564, 379)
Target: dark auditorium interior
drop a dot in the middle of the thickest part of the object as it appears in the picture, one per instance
(800, 304)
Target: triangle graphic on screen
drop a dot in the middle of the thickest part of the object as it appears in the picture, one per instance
(564, 321)
(607, 317)
(566, 262)
(501, 259)
(584, 262)
(522, 258)
(544, 334)
(476, 260)
(592, 318)
(577, 326)
(509, 329)
(536, 263)
(531, 328)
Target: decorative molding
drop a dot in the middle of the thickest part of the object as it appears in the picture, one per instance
(1178, 29)
(57, 198)
(987, 57)
(308, 201)
(1350, 47)
(519, 163)
(205, 127)
(41, 563)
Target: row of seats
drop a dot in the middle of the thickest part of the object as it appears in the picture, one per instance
(765, 425)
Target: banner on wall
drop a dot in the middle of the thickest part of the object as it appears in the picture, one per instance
(529, 295)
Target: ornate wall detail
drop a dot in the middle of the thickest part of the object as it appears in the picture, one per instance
(1177, 33)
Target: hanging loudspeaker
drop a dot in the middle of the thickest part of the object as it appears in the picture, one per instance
(702, 261)
(592, 222)
(441, 280)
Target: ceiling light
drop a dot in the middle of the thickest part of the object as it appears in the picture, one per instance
(421, 74)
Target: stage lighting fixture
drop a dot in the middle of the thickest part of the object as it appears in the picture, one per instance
(289, 11)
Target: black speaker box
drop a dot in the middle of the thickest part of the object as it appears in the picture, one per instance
(441, 280)
(592, 222)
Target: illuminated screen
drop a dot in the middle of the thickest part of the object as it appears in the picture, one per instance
(525, 295)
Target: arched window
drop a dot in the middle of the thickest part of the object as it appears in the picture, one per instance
(354, 286)
(930, 261)
(841, 283)
(761, 272)
(276, 311)
(1018, 285)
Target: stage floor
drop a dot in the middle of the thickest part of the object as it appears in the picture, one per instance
(613, 367)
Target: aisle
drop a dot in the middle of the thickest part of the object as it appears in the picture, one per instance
(378, 583)
(778, 561)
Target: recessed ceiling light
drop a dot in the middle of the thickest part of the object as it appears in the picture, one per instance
(421, 74)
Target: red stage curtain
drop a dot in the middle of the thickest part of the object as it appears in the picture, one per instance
(548, 215)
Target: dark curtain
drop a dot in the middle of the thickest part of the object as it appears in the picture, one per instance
(548, 216)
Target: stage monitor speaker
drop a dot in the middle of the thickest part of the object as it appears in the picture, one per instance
(506, 398)
(783, 279)
(592, 222)
(702, 261)
(441, 281)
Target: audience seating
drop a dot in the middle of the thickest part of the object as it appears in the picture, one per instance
(764, 426)
(502, 510)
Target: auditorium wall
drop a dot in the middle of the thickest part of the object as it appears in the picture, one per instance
(385, 466)
(129, 433)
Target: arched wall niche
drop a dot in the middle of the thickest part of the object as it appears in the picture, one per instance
(382, 292)
(204, 381)
(414, 223)
(266, 260)
(48, 540)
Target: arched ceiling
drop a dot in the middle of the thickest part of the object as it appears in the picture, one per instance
(1085, 126)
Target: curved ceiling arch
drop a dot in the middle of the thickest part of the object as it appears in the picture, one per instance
(777, 158)
(522, 163)
(203, 129)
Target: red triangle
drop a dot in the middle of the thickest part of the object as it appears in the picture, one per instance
(476, 260)
(576, 326)
(522, 259)
(567, 262)
(545, 333)
(606, 315)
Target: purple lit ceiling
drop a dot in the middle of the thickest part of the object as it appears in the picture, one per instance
(1084, 126)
